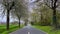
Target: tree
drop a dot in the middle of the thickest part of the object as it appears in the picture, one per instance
(46, 15)
(20, 11)
(52, 4)
(8, 6)
(35, 16)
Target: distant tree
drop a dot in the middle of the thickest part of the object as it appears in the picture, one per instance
(20, 11)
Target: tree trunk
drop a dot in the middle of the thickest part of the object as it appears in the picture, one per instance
(7, 19)
(54, 18)
(54, 15)
(19, 22)
(41, 18)
(25, 23)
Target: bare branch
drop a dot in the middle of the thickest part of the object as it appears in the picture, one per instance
(2, 14)
(13, 4)
(48, 6)
(58, 4)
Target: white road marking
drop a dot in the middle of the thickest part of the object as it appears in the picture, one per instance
(28, 32)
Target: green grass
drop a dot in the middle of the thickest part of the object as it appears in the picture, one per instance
(12, 28)
(47, 29)
(2, 28)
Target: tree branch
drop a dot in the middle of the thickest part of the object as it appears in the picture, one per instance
(12, 5)
(48, 6)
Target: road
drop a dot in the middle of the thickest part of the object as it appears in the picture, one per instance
(28, 30)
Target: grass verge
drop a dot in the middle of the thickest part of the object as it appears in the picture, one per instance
(47, 29)
(12, 28)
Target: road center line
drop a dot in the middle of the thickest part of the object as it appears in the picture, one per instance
(28, 32)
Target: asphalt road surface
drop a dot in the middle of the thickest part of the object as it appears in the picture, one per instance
(28, 30)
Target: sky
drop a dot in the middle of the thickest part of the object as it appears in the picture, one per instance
(30, 6)
(1, 9)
